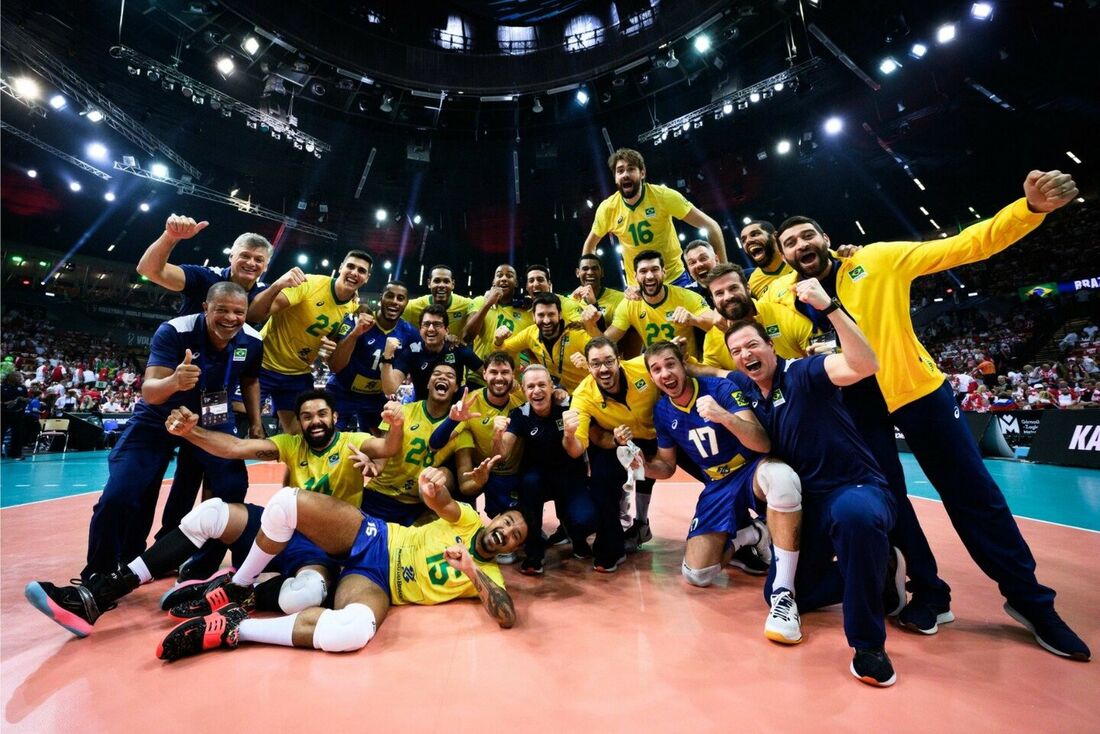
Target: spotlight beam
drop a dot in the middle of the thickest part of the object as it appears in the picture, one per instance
(842, 57)
(29, 103)
(188, 188)
(26, 49)
(54, 151)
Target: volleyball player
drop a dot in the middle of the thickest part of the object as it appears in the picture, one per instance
(758, 241)
(441, 283)
(592, 289)
(498, 307)
(435, 348)
(551, 342)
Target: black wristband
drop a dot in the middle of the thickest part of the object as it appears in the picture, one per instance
(833, 306)
(386, 360)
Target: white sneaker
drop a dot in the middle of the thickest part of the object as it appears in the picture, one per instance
(506, 559)
(763, 546)
(783, 624)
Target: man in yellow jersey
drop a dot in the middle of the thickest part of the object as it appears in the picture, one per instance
(640, 216)
(700, 259)
(664, 312)
(474, 416)
(910, 392)
(307, 313)
(556, 345)
(538, 281)
(758, 241)
(498, 307)
(789, 331)
(381, 564)
(441, 283)
(392, 495)
(612, 406)
(592, 290)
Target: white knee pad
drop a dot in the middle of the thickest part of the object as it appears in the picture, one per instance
(700, 576)
(303, 591)
(206, 521)
(781, 486)
(344, 630)
(281, 515)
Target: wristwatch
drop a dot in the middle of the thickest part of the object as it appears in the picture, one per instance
(833, 306)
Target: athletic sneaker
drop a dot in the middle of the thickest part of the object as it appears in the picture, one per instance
(582, 550)
(506, 559)
(783, 624)
(185, 591)
(77, 607)
(874, 668)
(193, 636)
(531, 567)
(558, 537)
(637, 534)
(602, 568)
(746, 559)
(925, 617)
(893, 593)
(1052, 634)
(220, 592)
(763, 546)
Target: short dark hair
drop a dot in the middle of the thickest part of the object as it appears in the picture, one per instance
(225, 288)
(763, 224)
(500, 357)
(436, 310)
(395, 284)
(359, 255)
(662, 346)
(591, 256)
(795, 221)
(648, 255)
(631, 156)
(725, 269)
(741, 324)
(696, 244)
(316, 393)
(538, 267)
(441, 267)
(451, 367)
(547, 299)
(600, 341)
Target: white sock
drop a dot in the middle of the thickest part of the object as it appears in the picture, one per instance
(641, 502)
(270, 631)
(138, 566)
(748, 535)
(254, 564)
(786, 563)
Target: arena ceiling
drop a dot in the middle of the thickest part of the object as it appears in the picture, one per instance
(451, 108)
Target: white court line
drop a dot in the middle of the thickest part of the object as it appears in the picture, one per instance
(258, 485)
(1022, 517)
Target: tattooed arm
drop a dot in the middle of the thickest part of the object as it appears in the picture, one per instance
(182, 422)
(496, 600)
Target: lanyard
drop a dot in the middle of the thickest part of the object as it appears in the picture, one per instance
(561, 351)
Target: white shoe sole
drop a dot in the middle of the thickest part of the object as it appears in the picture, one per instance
(871, 681)
(945, 618)
(1031, 628)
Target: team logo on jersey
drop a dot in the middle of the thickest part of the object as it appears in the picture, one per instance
(739, 398)
(370, 341)
(642, 315)
(560, 424)
(447, 359)
(772, 329)
(620, 220)
(303, 464)
(674, 424)
(333, 459)
(777, 398)
(303, 354)
(415, 426)
(640, 384)
(857, 272)
(535, 431)
(651, 211)
(240, 354)
(344, 329)
(320, 304)
(408, 573)
(485, 421)
(668, 314)
(414, 347)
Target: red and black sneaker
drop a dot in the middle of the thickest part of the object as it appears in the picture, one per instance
(220, 629)
(220, 592)
(77, 607)
(191, 589)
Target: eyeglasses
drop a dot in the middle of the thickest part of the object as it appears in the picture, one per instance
(605, 363)
(432, 325)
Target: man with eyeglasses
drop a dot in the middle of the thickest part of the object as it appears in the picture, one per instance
(435, 350)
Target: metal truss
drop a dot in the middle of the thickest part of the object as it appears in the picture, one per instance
(53, 151)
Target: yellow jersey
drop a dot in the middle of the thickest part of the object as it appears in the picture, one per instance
(789, 330)
(634, 410)
(571, 309)
(498, 315)
(458, 310)
(292, 336)
(873, 286)
(419, 574)
(760, 279)
(557, 358)
(646, 225)
(481, 429)
(398, 479)
(328, 471)
(607, 302)
(651, 321)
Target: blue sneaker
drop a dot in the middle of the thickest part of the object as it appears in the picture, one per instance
(1052, 634)
(874, 668)
(925, 617)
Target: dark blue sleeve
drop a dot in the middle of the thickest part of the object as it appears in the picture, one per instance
(660, 424)
(197, 280)
(165, 348)
(256, 290)
(404, 361)
(729, 396)
(813, 373)
(517, 422)
(442, 434)
(471, 360)
(255, 358)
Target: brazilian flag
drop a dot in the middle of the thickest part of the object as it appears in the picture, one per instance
(1038, 290)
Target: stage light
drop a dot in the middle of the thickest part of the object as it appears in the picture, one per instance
(387, 103)
(681, 236)
(582, 97)
(144, 206)
(686, 126)
(387, 265)
(537, 107)
(671, 62)
(918, 183)
(303, 259)
(981, 11)
(225, 65)
(250, 45)
(834, 125)
(664, 135)
(783, 147)
(26, 87)
(1072, 157)
(779, 86)
(159, 170)
(934, 224)
(727, 108)
(918, 51)
(109, 196)
(31, 173)
(945, 33)
(589, 203)
(98, 151)
(754, 97)
(111, 247)
(619, 249)
(924, 211)
(94, 115)
(746, 220)
(860, 227)
(702, 43)
(74, 186)
(417, 219)
(381, 215)
(888, 65)
(702, 232)
(57, 102)
(324, 263)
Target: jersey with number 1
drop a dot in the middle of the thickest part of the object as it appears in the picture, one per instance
(712, 447)
(362, 376)
(329, 471)
(646, 225)
(293, 335)
(398, 479)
